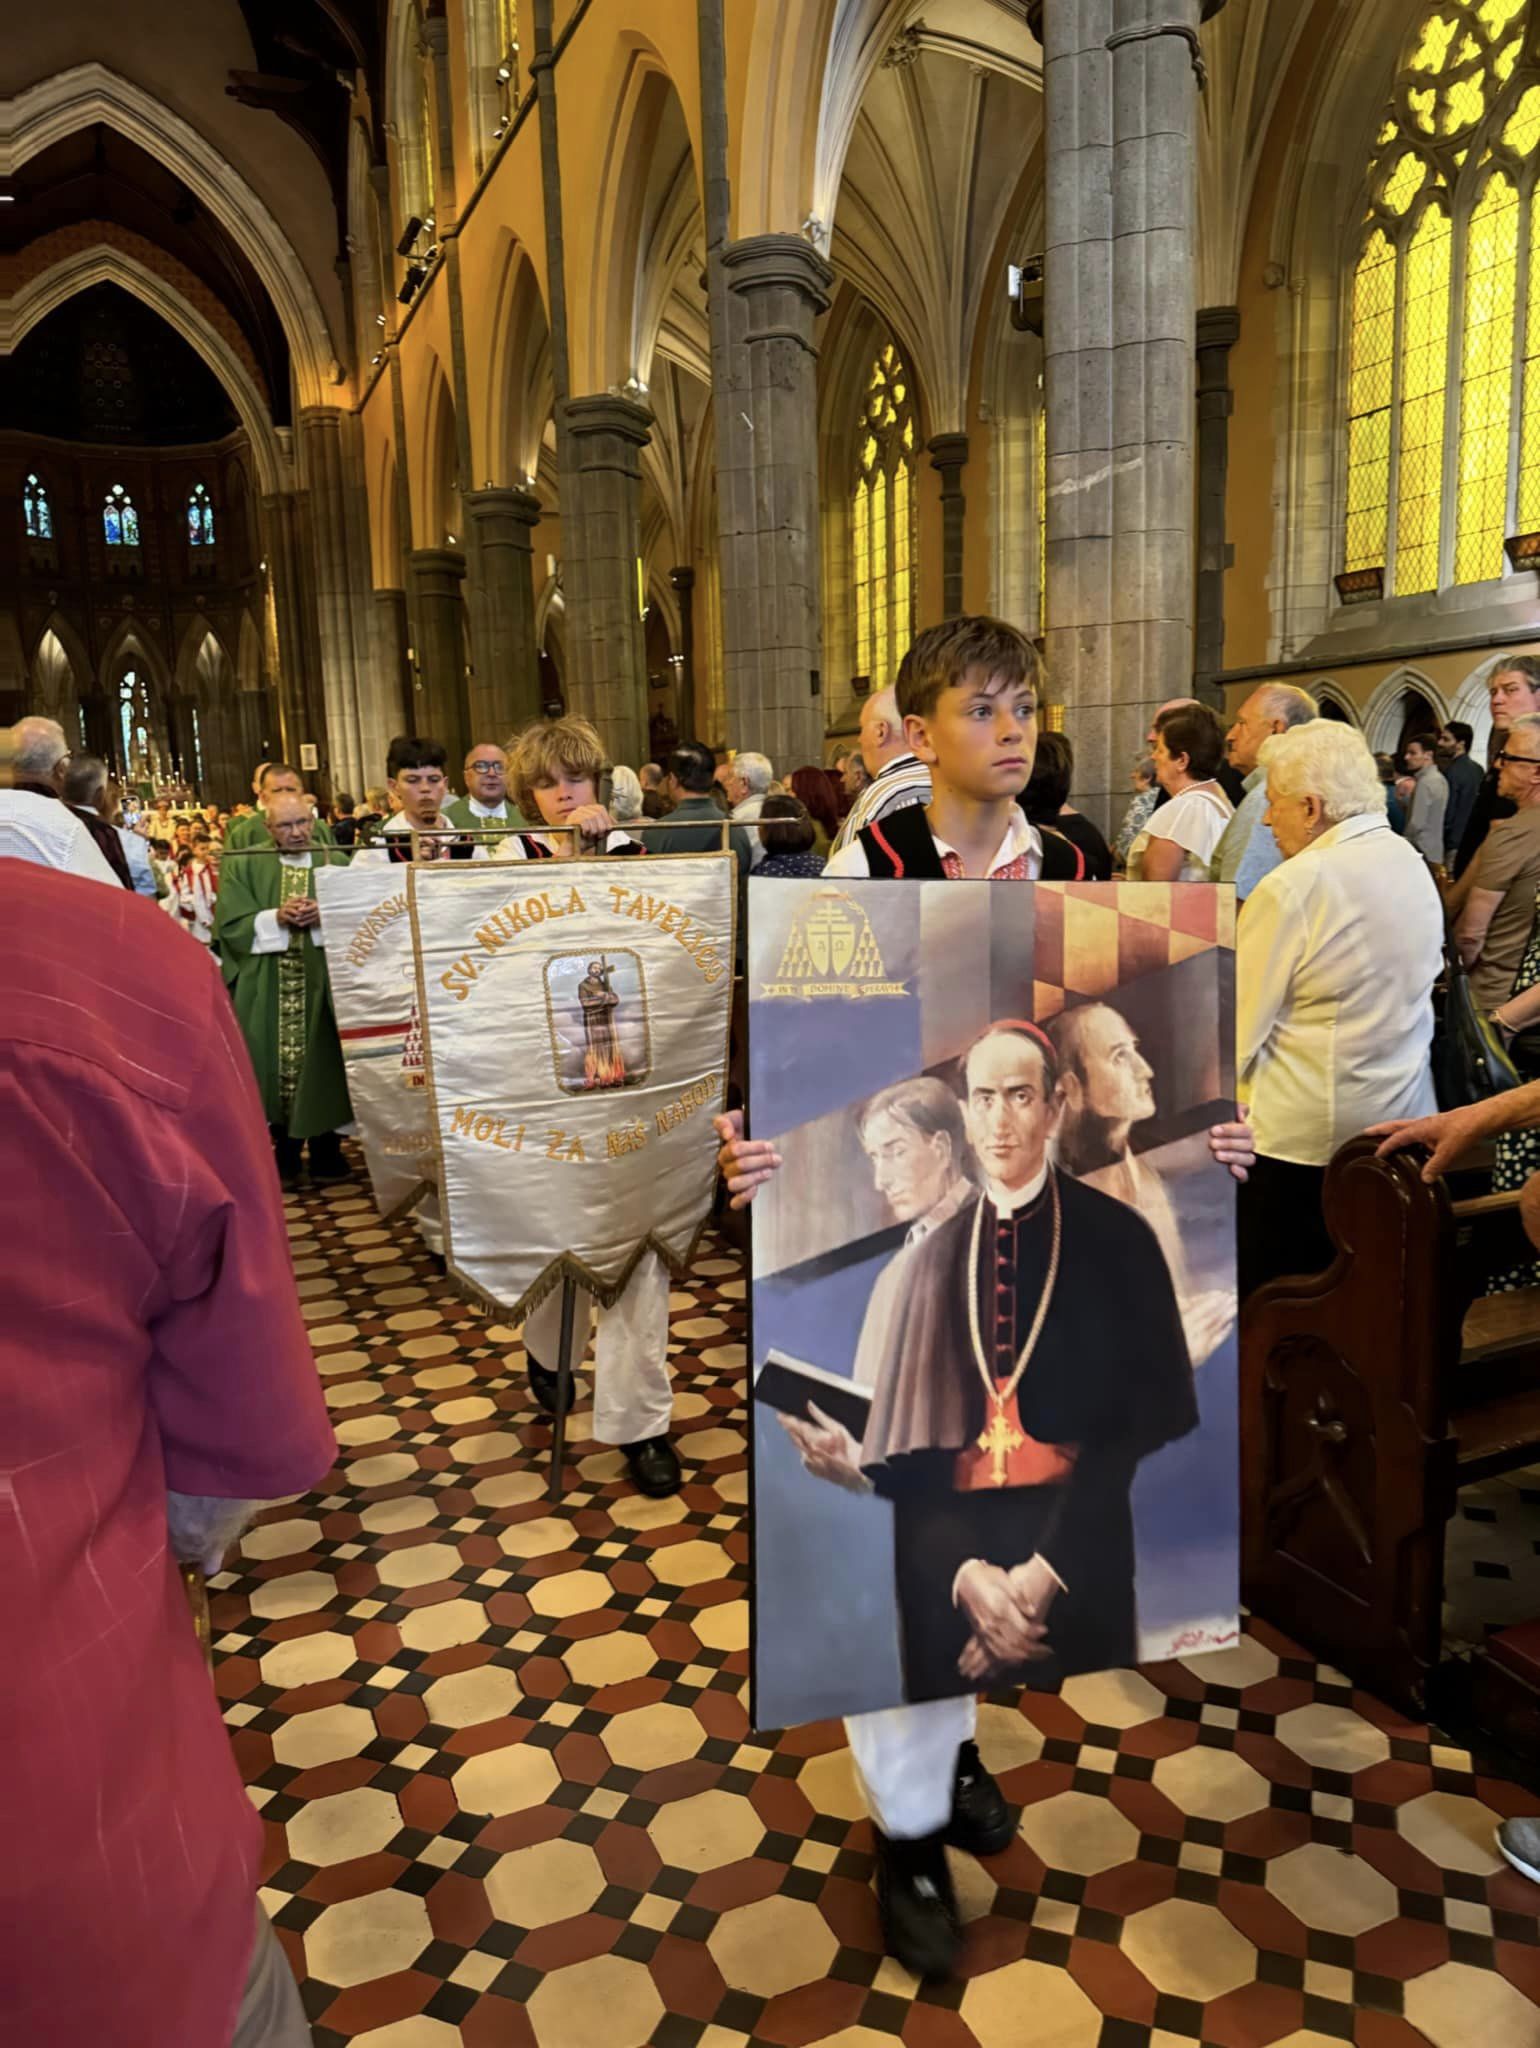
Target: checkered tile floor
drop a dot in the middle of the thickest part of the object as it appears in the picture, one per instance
(511, 1800)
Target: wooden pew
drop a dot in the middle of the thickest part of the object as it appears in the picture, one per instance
(1369, 1394)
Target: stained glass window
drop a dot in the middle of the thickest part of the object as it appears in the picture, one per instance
(120, 522)
(1440, 304)
(1370, 382)
(36, 509)
(1424, 371)
(200, 518)
(882, 521)
(1486, 387)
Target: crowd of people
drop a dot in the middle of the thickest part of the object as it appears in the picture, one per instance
(1348, 871)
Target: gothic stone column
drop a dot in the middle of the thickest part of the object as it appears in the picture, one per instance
(441, 711)
(1120, 93)
(683, 582)
(337, 543)
(505, 690)
(604, 621)
(767, 293)
(301, 692)
(949, 458)
(1219, 329)
(392, 640)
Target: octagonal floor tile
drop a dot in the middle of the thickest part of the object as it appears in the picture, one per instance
(296, 1593)
(539, 1886)
(324, 1736)
(467, 1698)
(772, 1946)
(1075, 1832)
(281, 1539)
(637, 1511)
(421, 1564)
(608, 2000)
(1211, 1784)
(1453, 1832)
(611, 1659)
(706, 1831)
(406, 1511)
(1114, 1699)
(1333, 1738)
(308, 1660)
(444, 1626)
(508, 1489)
(506, 1780)
(334, 1830)
(649, 1737)
(420, 2032)
(1324, 1888)
(1460, 2007)
(368, 1937)
(569, 1593)
(831, 1785)
(690, 1564)
(996, 2008)
(1188, 1950)
(543, 1537)
(1247, 1662)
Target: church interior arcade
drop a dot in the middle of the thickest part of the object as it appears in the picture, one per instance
(437, 367)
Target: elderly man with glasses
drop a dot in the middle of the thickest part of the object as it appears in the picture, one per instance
(36, 823)
(1492, 906)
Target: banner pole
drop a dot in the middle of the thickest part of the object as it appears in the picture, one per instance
(563, 1386)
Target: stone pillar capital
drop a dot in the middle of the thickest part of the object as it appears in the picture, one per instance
(611, 413)
(520, 508)
(437, 571)
(1219, 327)
(435, 35)
(766, 263)
(948, 454)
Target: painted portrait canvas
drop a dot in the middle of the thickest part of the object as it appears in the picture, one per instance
(993, 1332)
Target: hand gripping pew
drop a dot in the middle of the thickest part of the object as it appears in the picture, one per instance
(1370, 1394)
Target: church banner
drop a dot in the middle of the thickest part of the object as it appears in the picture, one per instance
(374, 993)
(575, 1024)
(994, 1306)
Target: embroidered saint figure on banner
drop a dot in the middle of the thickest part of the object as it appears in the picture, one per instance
(603, 1063)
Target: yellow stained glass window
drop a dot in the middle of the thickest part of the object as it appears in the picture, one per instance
(882, 521)
(861, 544)
(1523, 129)
(1370, 391)
(1486, 382)
(1529, 437)
(1495, 15)
(1404, 183)
(1437, 38)
(1424, 371)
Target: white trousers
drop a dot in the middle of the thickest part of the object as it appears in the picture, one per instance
(906, 1759)
(633, 1389)
(430, 1222)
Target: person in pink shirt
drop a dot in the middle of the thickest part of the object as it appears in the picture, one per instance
(156, 1384)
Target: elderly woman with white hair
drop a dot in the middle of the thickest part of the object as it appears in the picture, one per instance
(625, 795)
(1337, 953)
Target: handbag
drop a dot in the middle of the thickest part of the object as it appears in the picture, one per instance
(1470, 1062)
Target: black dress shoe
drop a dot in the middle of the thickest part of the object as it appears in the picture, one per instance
(920, 1928)
(327, 1164)
(981, 1822)
(654, 1466)
(545, 1386)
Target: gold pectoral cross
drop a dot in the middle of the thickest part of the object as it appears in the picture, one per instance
(1000, 1438)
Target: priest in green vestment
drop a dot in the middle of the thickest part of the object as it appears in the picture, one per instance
(274, 779)
(272, 949)
(486, 805)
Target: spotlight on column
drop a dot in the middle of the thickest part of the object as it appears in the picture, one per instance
(409, 235)
(1024, 287)
(504, 72)
(379, 319)
(411, 284)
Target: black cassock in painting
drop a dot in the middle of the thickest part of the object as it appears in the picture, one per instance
(979, 1468)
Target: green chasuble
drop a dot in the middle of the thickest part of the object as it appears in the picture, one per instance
(252, 831)
(460, 813)
(282, 1001)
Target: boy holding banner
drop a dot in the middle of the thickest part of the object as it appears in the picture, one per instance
(555, 772)
(968, 693)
